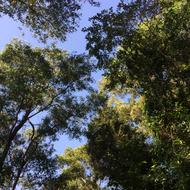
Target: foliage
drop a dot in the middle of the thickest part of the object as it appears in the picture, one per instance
(143, 48)
(112, 138)
(46, 18)
(138, 136)
(38, 83)
(77, 172)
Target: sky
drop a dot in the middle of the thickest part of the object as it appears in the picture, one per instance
(75, 43)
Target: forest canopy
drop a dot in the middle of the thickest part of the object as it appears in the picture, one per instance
(136, 124)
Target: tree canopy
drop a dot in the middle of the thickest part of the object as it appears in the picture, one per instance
(37, 83)
(143, 48)
(46, 18)
(137, 124)
(76, 172)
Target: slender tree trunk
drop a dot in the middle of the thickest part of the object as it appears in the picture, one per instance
(10, 139)
(6, 150)
(18, 176)
(25, 157)
(4, 155)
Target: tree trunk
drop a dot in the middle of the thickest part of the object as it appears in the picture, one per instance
(4, 155)
(10, 139)
(24, 157)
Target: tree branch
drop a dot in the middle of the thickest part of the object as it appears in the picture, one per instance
(50, 103)
(25, 156)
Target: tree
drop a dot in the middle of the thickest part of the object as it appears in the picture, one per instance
(143, 47)
(30, 164)
(152, 56)
(54, 18)
(39, 83)
(118, 145)
(76, 172)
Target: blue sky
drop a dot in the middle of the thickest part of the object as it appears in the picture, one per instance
(75, 43)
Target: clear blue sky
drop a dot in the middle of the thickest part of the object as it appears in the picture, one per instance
(75, 43)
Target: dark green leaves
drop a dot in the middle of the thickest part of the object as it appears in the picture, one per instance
(118, 151)
(38, 93)
(143, 47)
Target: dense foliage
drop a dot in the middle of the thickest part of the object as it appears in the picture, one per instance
(138, 134)
(144, 50)
(38, 83)
(76, 172)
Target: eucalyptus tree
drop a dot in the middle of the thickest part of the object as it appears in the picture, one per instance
(37, 91)
(38, 101)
